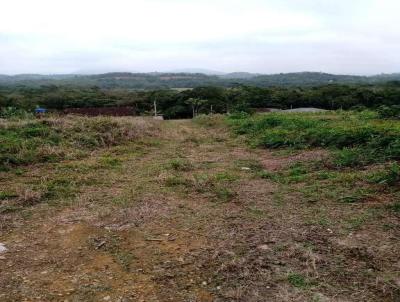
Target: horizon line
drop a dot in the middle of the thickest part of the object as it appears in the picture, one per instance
(205, 72)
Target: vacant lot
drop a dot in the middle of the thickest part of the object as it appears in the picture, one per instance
(250, 208)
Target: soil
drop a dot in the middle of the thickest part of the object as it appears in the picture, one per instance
(129, 235)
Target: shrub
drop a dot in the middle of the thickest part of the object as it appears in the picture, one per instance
(389, 111)
(358, 138)
(353, 157)
(390, 177)
(180, 164)
(297, 280)
(27, 141)
(13, 112)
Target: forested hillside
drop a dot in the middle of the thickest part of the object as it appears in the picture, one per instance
(191, 80)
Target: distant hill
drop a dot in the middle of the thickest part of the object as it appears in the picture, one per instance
(198, 70)
(157, 80)
(306, 79)
(239, 75)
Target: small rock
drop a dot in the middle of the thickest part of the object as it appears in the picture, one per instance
(204, 283)
(263, 247)
(3, 248)
(107, 298)
(246, 168)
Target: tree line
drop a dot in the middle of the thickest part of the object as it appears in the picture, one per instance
(185, 103)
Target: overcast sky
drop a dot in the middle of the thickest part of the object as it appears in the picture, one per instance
(265, 36)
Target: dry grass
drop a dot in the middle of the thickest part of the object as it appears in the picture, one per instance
(117, 226)
(52, 139)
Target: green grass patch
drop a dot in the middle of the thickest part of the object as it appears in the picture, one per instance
(357, 138)
(175, 181)
(7, 195)
(223, 194)
(390, 176)
(226, 176)
(179, 164)
(60, 188)
(29, 141)
(298, 280)
(110, 162)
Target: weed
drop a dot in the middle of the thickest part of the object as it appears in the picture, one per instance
(223, 194)
(356, 222)
(256, 212)
(253, 164)
(357, 140)
(355, 196)
(179, 164)
(59, 188)
(353, 157)
(110, 162)
(226, 176)
(389, 177)
(202, 183)
(297, 280)
(395, 207)
(6, 195)
(174, 181)
(268, 175)
(30, 140)
(319, 218)
(124, 258)
(278, 197)
(325, 175)
(216, 186)
(122, 201)
(8, 208)
(28, 197)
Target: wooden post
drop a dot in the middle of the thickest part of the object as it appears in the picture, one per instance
(155, 108)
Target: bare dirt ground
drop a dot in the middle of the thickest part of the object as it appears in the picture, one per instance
(184, 217)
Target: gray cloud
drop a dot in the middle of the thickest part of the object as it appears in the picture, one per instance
(358, 37)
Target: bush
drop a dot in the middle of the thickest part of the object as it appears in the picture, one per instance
(389, 177)
(358, 138)
(28, 141)
(180, 164)
(13, 112)
(389, 111)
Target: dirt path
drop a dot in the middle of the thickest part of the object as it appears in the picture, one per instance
(185, 217)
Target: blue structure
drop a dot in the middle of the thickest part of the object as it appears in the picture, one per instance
(40, 110)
